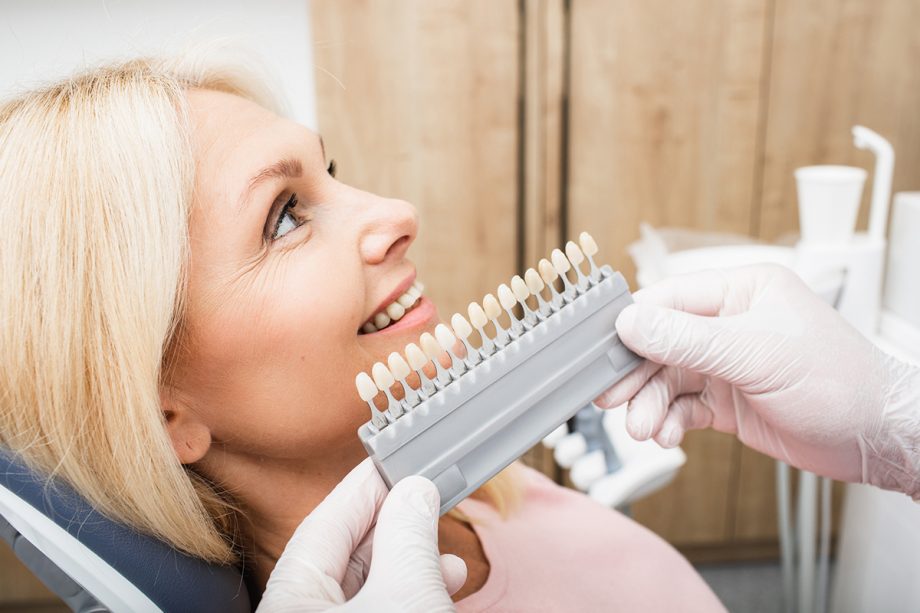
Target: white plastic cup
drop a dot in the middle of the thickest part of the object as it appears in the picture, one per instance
(829, 199)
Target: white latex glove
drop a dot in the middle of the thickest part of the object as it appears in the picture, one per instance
(752, 351)
(326, 562)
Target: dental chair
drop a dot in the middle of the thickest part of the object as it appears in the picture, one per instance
(95, 564)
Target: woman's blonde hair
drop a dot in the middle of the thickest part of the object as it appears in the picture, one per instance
(96, 182)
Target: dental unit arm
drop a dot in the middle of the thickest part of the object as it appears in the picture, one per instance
(501, 399)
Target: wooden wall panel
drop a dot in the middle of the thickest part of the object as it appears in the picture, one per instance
(665, 104)
(836, 63)
(665, 101)
(419, 100)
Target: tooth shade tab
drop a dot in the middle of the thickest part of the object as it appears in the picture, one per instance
(398, 365)
(560, 263)
(534, 282)
(574, 253)
(445, 337)
(491, 306)
(506, 297)
(417, 358)
(587, 244)
(382, 376)
(547, 271)
(477, 315)
(367, 389)
(520, 289)
(381, 320)
(430, 346)
(461, 326)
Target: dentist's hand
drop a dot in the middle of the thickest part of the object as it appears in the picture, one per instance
(325, 565)
(752, 351)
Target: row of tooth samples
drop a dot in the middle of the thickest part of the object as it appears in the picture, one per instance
(565, 267)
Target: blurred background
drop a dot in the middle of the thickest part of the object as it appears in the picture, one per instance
(513, 125)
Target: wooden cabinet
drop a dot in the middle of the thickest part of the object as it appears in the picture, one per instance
(512, 125)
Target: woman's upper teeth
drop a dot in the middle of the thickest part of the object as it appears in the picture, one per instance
(395, 310)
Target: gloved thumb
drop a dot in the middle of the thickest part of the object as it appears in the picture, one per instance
(406, 571)
(676, 338)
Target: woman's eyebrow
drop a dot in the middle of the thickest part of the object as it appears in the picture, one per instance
(288, 168)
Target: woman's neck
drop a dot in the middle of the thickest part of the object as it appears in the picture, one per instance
(276, 495)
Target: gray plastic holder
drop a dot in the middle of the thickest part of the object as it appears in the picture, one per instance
(480, 423)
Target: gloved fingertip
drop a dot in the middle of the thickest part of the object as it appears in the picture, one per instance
(669, 436)
(639, 425)
(626, 320)
(420, 494)
(454, 571)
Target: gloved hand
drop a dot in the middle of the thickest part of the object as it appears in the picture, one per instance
(752, 351)
(324, 565)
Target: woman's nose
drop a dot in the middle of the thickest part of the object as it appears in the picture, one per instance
(389, 228)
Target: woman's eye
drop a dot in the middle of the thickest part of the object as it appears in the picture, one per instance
(287, 221)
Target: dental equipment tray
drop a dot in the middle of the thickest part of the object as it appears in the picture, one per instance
(482, 420)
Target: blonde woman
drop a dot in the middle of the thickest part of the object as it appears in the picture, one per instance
(184, 284)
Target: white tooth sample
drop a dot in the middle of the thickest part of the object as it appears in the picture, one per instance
(535, 284)
(432, 349)
(590, 249)
(479, 320)
(382, 376)
(398, 365)
(493, 311)
(401, 370)
(562, 266)
(406, 300)
(463, 329)
(384, 380)
(395, 311)
(367, 389)
(491, 306)
(507, 300)
(522, 293)
(381, 320)
(368, 328)
(587, 244)
(417, 360)
(574, 254)
(506, 297)
(549, 274)
(560, 263)
(447, 340)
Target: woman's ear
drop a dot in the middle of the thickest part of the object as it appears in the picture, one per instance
(191, 438)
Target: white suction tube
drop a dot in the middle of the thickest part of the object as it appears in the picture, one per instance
(864, 138)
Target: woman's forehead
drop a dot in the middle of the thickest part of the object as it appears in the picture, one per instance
(225, 125)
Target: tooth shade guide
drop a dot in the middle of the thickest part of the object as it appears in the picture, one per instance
(520, 395)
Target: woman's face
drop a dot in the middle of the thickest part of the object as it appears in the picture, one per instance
(287, 264)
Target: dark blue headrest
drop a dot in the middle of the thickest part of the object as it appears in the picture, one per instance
(172, 580)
